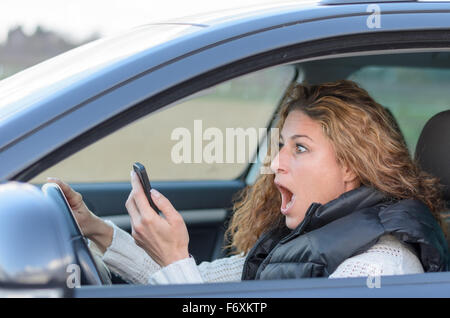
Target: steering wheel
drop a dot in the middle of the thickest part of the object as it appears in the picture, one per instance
(93, 270)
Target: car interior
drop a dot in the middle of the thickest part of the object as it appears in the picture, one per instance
(412, 86)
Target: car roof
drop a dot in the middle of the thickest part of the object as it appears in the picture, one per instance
(29, 86)
(35, 84)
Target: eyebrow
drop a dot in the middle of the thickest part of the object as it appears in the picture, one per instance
(298, 136)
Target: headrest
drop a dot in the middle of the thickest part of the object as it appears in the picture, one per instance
(433, 149)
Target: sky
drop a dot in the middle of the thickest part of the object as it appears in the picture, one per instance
(78, 19)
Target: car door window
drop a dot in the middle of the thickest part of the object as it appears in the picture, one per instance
(212, 135)
(412, 94)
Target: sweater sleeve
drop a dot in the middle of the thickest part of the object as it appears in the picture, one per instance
(227, 269)
(133, 264)
(387, 257)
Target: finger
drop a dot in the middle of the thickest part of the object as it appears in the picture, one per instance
(141, 223)
(64, 186)
(72, 196)
(165, 206)
(133, 211)
(139, 196)
(143, 217)
(131, 202)
(135, 182)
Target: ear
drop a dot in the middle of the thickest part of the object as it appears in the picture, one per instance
(349, 177)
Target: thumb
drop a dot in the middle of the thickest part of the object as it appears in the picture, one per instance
(165, 206)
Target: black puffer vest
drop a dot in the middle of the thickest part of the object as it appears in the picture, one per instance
(342, 228)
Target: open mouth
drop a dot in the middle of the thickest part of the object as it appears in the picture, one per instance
(287, 198)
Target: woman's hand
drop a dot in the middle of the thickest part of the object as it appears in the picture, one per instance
(91, 226)
(166, 238)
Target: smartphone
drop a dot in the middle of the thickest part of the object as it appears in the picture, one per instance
(142, 174)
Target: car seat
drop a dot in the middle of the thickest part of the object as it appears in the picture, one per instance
(433, 155)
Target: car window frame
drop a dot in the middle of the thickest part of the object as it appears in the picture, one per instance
(370, 43)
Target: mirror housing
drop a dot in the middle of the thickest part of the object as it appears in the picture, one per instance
(35, 249)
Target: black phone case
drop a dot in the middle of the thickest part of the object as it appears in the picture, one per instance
(142, 174)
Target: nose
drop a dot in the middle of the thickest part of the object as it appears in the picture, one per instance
(278, 164)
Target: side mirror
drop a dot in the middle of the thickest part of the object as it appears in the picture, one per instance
(35, 252)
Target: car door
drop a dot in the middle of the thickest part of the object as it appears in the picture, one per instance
(355, 287)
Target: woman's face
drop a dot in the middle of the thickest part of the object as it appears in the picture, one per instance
(306, 169)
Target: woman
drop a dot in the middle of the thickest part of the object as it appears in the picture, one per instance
(345, 199)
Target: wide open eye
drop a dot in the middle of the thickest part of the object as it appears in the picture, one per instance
(299, 148)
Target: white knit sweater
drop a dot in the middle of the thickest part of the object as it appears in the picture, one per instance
(387, 257)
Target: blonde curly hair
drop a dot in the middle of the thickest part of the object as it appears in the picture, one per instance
(364, 136)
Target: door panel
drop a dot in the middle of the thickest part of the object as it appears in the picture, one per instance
(416, 285)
